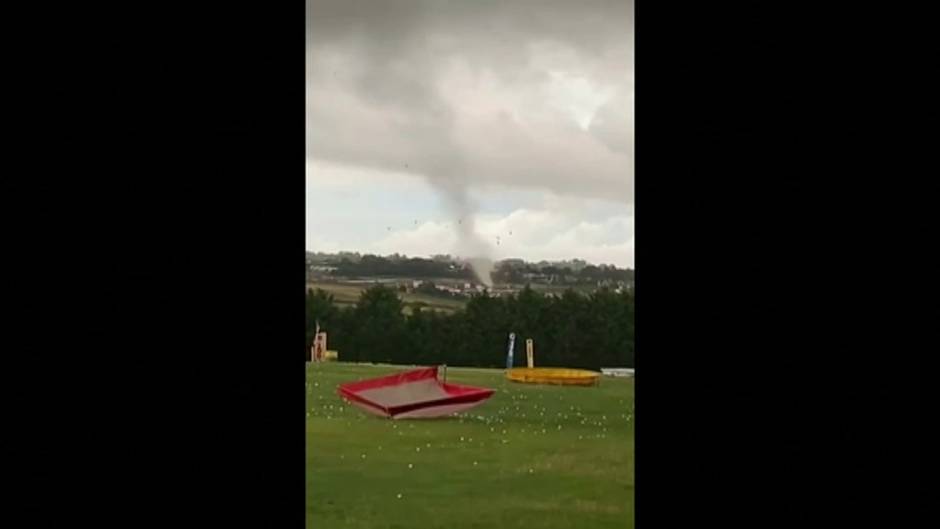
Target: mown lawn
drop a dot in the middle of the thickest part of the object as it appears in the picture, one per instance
(530, 457)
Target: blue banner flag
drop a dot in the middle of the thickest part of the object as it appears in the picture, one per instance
(512, 343)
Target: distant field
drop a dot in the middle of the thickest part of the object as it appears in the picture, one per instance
(342, 292)
(348, 294)
(530, 457)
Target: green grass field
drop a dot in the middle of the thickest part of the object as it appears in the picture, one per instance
(531, 456)
(343, 293)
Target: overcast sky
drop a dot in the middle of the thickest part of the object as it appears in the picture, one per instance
(476, 128)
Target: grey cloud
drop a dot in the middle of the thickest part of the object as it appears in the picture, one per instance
(613, 124)
(592, 25)
(399, 85)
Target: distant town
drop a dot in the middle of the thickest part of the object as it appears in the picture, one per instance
(453, 277)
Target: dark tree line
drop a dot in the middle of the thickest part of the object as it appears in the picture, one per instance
(515, 273)
(511, 271)
(571, 330)
(373, 266)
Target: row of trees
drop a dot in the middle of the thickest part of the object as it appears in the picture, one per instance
(571, 330)
(372, 266)
(509, 271)
(506, 272)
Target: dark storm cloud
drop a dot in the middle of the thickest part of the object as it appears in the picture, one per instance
(456, 91)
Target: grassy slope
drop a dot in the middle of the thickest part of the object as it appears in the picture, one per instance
(532, 456)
